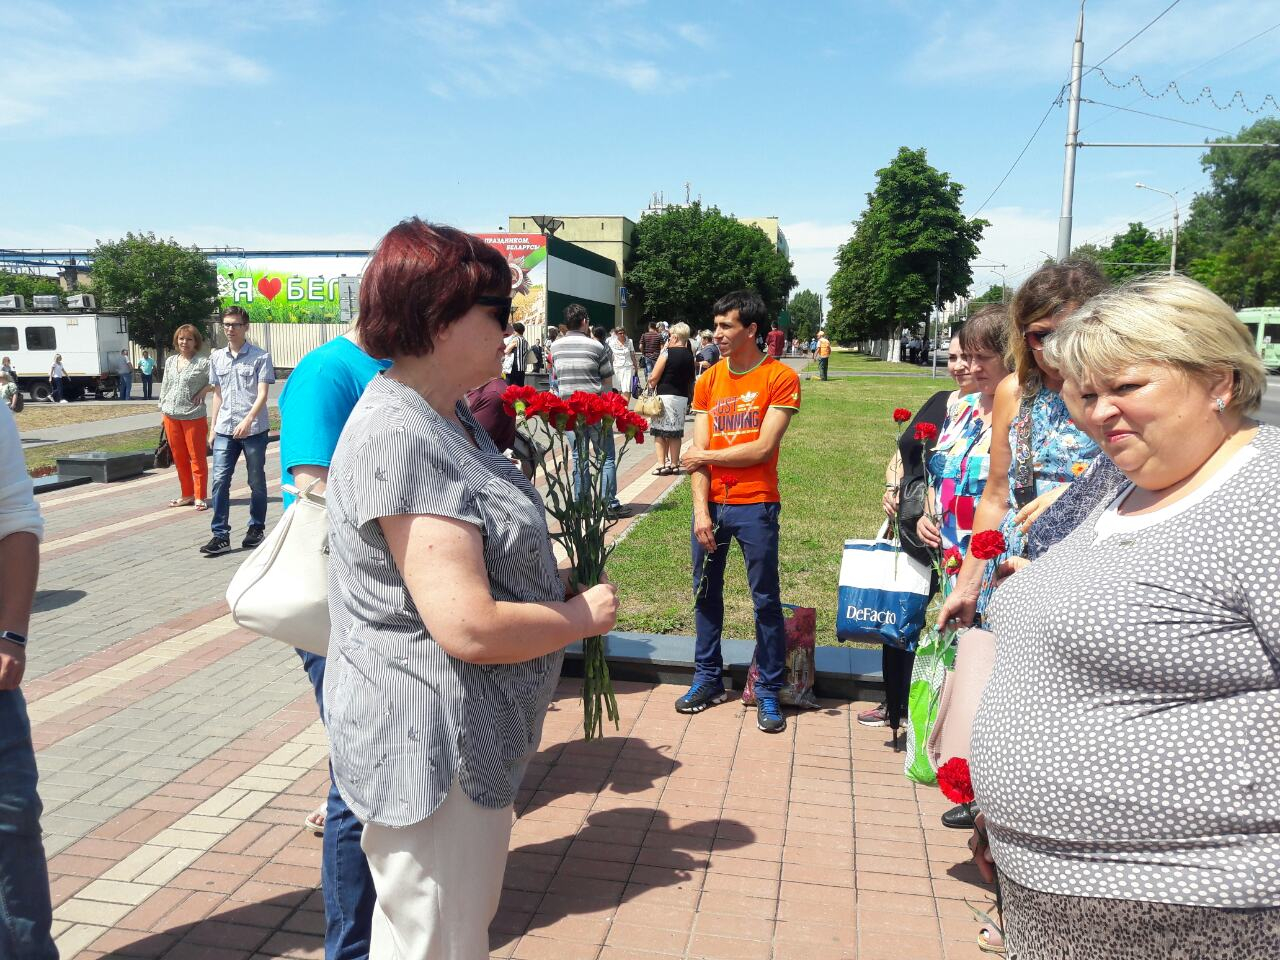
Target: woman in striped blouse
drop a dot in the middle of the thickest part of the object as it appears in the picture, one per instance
(449, 617)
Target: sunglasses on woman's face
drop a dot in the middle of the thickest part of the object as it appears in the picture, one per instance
(502, 309)
(1036, 338)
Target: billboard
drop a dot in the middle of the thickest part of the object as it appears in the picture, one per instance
(291, 289)
(526, 255)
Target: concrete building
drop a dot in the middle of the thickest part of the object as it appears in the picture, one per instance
(612, 237)
(609, 237)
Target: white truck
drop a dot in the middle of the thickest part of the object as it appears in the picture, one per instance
(90, 345)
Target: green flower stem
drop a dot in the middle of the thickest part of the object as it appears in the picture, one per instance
(583, 521)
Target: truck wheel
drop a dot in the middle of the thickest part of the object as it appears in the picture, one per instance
(40, 392)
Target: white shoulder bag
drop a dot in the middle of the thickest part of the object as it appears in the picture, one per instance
(282, 590)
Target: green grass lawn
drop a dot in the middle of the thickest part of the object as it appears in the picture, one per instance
(862, 363)
(832, 481)
(44, 459)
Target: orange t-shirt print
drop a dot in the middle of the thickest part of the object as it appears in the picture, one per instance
(736, 404)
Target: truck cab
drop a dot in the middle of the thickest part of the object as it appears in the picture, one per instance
(89, 343)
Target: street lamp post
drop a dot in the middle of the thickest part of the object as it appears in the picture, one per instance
(1173, 253)
(548, 226)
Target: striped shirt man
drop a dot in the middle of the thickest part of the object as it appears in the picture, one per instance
(581, 363)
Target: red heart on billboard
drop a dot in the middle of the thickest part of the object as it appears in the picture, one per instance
(269, 287)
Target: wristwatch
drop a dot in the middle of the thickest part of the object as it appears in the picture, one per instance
(13, 637)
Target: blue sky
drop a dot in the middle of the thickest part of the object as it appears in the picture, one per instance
(320, 123)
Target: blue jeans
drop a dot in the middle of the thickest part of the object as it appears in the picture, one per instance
(344, 872)
(226, 451)
(598, 438)
(25, 912)
(125, 383)
(822, 367)
(58, 383)
(755, 527)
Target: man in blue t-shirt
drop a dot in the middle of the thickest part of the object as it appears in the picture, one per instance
(318, 398)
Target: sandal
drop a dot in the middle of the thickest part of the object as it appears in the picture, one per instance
(182, 502)
(990, 941)
(202, 505)
(658, 472)
(315, 820)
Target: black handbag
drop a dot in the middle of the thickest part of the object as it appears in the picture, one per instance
(163, 457)
(911, 501)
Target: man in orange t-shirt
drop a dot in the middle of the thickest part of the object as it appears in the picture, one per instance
(824, 354)
(742, 407)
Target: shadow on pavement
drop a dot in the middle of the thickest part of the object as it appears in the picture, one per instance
(238, 930)
(47, 600)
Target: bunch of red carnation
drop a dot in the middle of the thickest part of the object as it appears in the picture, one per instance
(580, 408)
(579, 508)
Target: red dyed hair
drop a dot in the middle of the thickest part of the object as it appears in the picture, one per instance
(422, 278)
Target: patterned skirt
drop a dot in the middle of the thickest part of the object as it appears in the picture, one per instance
(1047, 926)
(670, 422)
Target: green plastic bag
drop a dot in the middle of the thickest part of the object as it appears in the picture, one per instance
(935, 655)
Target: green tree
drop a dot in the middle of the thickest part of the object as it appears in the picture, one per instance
(27, 285)
(1130, 254)
(688, 257)
(996, 293)
(806, 314)
(156, 285)
(911, 239)
(1232, 238)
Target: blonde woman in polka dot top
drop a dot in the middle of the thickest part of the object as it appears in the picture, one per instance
(1126, 754)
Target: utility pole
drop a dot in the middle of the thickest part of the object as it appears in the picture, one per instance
(1073, 134)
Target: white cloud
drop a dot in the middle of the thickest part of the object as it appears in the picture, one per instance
(813, 248)
(46, 80)
(694, 34)
(476, 48)
(1032, 41)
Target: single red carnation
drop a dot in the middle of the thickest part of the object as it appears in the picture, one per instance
(615, 404)
(987, 545)
(952, 560)
(926, 431)
(901, 415)
(954, 781)
(516, 399)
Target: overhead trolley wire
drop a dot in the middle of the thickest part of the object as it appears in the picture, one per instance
(1025, 147)
(1149, 25)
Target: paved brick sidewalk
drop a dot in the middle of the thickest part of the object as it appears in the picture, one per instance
(179, 754)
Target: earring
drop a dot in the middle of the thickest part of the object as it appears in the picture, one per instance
(1220, 404)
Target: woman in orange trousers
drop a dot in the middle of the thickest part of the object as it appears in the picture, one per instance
(182, 393)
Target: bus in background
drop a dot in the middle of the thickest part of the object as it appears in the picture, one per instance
(1264, 324)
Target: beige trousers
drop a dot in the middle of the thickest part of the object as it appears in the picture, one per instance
(438, 881)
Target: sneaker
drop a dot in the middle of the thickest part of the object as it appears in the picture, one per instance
(875, 717)
(617, 511)
(216, 546)
(769, 716)
(701, 696)
(253, 536)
